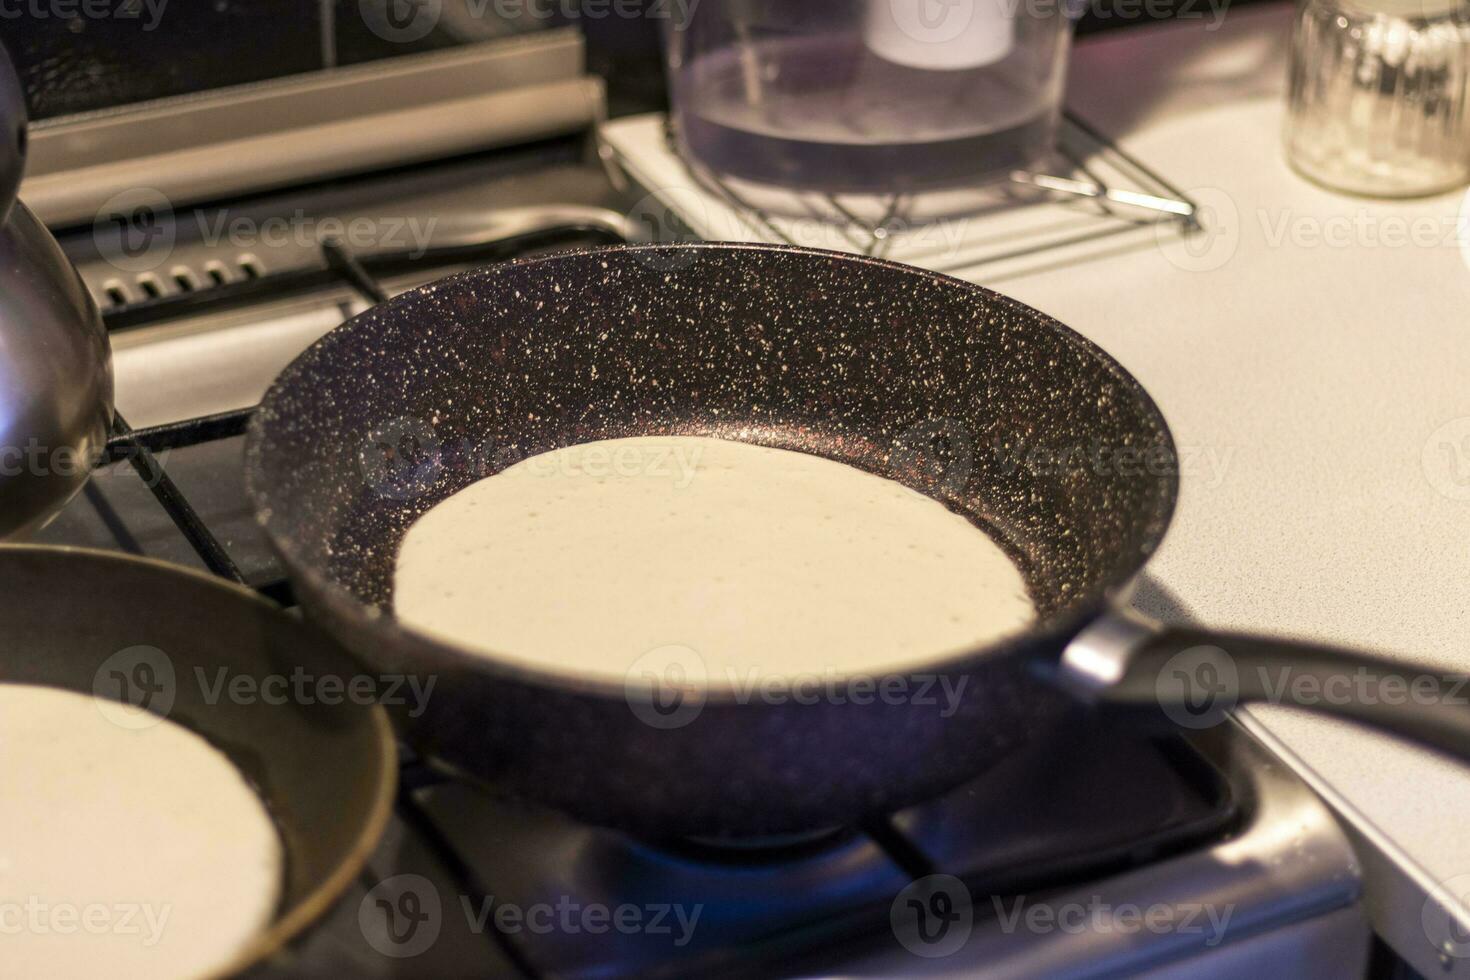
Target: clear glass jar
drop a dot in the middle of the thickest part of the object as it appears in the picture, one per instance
(868, 96)
(1380, 95)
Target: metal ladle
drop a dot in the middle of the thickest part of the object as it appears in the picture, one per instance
(55, 361)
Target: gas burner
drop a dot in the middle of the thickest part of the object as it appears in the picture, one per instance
(741, 850)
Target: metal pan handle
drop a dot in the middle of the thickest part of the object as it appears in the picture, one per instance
(1196, 676)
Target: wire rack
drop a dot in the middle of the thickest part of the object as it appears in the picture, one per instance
(1089, 168)
(1093, 191)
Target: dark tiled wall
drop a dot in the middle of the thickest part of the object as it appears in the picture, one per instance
(77, 55)
(92, 53)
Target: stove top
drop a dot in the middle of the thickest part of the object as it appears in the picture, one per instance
(691, 907)
(1104, 849)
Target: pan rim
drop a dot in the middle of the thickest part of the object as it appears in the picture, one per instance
(288, 926)
(343, 603)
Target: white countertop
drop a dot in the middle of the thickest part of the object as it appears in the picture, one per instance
(1323, 371)
(1314, 364)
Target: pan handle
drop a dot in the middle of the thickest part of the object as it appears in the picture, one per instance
(1196, 676)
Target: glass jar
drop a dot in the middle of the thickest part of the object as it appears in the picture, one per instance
(868, 96)
(1378, 96)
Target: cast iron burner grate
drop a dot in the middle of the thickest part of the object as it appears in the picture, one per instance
(1087, 801)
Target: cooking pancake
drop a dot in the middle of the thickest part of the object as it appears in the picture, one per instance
(128, 850)
(764, 562)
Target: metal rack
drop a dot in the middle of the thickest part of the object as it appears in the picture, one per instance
(1081, 153)
(1094, 191)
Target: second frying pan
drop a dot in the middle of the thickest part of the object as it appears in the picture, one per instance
(1012, 420)
(326, 769)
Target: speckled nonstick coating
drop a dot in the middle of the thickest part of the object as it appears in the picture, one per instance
(948, 387)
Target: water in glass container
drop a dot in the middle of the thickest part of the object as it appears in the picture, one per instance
(842, 97)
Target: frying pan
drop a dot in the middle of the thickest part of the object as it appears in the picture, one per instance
(1011, 419)
(80, 620)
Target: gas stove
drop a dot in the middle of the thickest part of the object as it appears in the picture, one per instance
(1103, 850)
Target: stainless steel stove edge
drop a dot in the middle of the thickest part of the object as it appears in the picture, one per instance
(224, 143)
(1284, 891)
(195, 260)
(1418, 917)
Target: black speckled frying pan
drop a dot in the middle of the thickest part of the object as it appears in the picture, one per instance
(1007, 416)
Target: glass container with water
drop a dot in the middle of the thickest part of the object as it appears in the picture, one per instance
(868, 96)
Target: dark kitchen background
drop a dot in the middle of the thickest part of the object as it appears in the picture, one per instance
(156, 48)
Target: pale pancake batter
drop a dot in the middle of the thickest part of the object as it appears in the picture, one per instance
(124, 852)
(764, 562)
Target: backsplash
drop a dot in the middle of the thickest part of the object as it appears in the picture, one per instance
(73, 59)
(80, 55)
